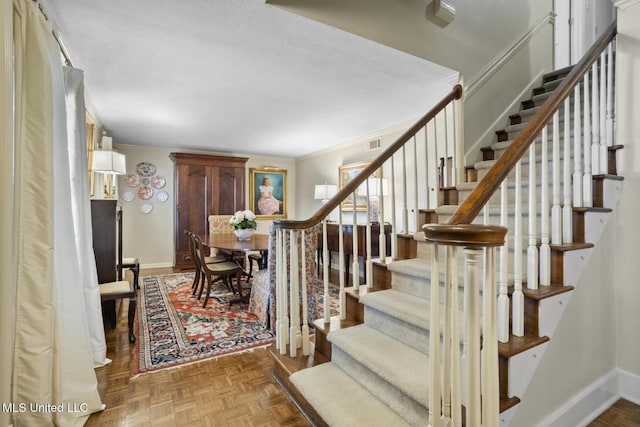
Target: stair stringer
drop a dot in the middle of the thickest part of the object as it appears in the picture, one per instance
(551, 309)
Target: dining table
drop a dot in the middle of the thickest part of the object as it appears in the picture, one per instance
(230, 243)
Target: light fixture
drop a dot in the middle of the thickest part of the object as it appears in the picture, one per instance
(324, 192)
(377, 187)
(107, 161)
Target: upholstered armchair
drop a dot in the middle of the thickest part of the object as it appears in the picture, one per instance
(262, 300)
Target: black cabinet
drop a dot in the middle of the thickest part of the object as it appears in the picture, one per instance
(104, 230)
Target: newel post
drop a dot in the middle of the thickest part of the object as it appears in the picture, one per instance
(479, 378)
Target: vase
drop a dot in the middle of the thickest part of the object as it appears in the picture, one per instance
(244, 233)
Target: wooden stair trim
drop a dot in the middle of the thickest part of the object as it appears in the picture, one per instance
(567, 247)
(608, 176)
(517, 345)
(544, 292)
(283, 369)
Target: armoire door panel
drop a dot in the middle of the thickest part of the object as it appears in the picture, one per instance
(203, 185)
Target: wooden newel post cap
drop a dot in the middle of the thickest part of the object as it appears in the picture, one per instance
(471, 235)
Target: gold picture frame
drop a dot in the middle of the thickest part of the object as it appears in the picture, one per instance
(268, 200)
(345, 174)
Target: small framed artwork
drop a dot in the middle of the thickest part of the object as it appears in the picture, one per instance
(345, 174)
(268, 192)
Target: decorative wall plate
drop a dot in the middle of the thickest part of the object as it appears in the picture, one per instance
(158, 181)
(133, 179)
(146, 169)
(128, 195)
(145, 192)
(162, 196)
(145, 208)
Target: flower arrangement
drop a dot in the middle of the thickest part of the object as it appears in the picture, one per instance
(242, 220)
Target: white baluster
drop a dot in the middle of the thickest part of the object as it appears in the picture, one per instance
(438, 173)
(456, 381)
(602, 169)
(567, 208)
(503, 298)
(587, 179)
(446, 176)
(282, 322)
(427, 167)
(532, 249)
(382, 238)
(517, 300)
(325, 272)
(595, 120)
(545, 250)
(490, 370)
(369, 262)
(446, 335)
(355, 266)
(610, 95)
(472, 334)
(294, 295)
(577, 147)
(405, 194)
(459, 128)
(416, 215)
(434, 342)
(556, 210)
(305, 301)
(341, 266)
(394, 227)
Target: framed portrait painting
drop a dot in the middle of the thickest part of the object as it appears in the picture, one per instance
(268, 192)
(345, 174)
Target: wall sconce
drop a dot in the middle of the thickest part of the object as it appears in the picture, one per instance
(377, 187)
(324, 192)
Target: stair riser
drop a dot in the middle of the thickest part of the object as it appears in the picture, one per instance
(414, 412)
(411, 335)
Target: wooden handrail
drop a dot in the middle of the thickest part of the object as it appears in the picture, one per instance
(327, 208)
(481, 194)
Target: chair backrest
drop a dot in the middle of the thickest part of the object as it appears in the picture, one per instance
(220, 224)
(192, 248)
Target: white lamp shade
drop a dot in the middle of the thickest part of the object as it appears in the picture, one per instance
(109, 162)
(377, 187)
(325, 191)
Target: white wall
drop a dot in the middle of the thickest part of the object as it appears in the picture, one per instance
(481, 33)
(150, 236)
(627, 232)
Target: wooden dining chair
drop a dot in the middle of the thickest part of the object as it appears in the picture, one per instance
(199, 276)
(222, 270)
(118, 290)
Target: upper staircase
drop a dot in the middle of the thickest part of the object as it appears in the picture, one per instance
(395, 358)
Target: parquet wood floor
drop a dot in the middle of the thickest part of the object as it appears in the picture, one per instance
(236, 390)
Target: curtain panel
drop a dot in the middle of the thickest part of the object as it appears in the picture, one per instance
(56, 292)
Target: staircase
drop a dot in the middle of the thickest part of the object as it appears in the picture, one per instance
(378, 358)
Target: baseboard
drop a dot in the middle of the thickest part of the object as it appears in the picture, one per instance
(156, 265)
(593, 400)
(629, 385)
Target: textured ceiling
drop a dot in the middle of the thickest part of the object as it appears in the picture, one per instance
(237, 76)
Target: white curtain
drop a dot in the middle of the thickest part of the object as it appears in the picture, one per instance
(56, 294)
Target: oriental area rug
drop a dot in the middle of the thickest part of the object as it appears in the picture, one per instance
(173, 329)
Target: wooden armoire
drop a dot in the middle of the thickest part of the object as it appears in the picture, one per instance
(203, 185)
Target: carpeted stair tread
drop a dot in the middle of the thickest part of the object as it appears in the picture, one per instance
(354, 406)
(401, 366)
(408, 308)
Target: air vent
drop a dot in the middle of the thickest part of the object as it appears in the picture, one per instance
(374, 144)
